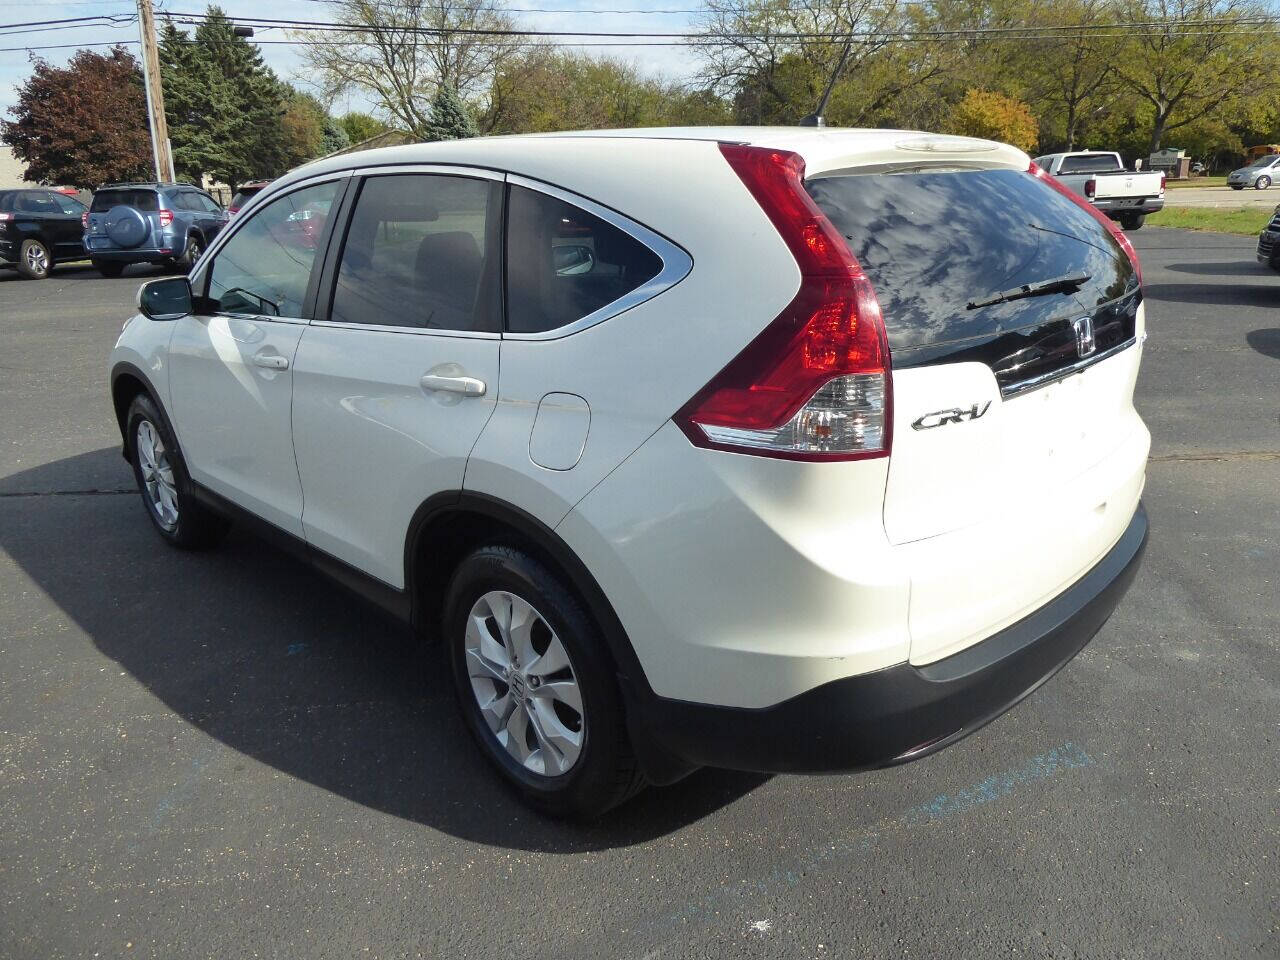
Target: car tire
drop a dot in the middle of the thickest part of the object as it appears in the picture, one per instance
(195, 247)
(34, 260)
(1133, 221)
(1262, 183)
(164, 483)
(109, 268)
(566, 752)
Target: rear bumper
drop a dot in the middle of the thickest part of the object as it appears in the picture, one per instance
(901, 712)
(1115, 208)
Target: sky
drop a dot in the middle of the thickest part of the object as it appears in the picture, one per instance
(670, 62)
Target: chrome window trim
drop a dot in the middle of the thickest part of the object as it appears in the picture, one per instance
(417, 331)
(676, 263)
(1035, 383)
(447, 169)
(236, 224)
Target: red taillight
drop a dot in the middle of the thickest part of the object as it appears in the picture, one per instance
(1163, 178)
(1101, 217)
(84, 220)
(815, 383)
(1091, 188)
(166, 217)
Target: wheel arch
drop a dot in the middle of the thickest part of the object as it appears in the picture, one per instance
(127, 383)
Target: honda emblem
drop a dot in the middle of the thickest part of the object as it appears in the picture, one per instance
(1085, 343)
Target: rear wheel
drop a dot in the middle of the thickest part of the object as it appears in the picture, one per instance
(34, 260)
(109, 268)
(195, 247)
(1133, 221)
(536, 685)
(1262, 182)
(162, 479)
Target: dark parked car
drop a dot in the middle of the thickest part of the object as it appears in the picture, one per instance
(246, 193)
(39, 228)
(1269, 242)
(150, 223)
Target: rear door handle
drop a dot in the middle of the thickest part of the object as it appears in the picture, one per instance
(271, 361)
(467, 386)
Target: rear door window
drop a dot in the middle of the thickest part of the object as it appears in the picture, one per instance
(33, 201)
(419, 253)
(144, 200)
(564, 263)
(933, 243)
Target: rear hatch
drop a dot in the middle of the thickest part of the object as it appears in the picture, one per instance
(124, 218)
(1007, 407)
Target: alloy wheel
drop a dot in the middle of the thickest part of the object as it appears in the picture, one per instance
(524, 683)
(37, 259)
(157, 475)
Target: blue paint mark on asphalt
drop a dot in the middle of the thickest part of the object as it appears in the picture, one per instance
(185, 790)
(295, 648)
(1068, 756)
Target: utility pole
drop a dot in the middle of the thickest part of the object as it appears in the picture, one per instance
(160, 151)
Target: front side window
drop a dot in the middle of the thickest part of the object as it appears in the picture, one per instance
(564, 263)
(264, 268)
(207, 203)
(70, 206)
(418, 255)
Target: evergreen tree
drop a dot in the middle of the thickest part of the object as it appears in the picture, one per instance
(223, 104)
(449, 119)
(335, 135)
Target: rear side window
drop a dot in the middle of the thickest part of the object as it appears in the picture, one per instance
(35, 202)
(144, 200)
(418, 254)
(932, 243)
(264, 269)
(243, 197)
(1098, 164)
(564, 263)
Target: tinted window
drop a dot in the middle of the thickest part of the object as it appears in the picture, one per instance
(104, 200)
(185, 201)
(932, 243)
(417, 254)
(70, 206)
(564, 263)
(244, 196)
(206, 203)
(1086, 164)
(39, 203)
(265, 267)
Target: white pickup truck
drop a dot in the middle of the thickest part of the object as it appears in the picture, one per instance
(1100, 177)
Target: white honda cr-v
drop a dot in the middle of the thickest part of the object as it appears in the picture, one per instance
(772, 449)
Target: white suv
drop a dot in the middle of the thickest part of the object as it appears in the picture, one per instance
(614, 418)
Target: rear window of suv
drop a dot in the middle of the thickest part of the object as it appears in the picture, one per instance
(934, 242)
(144, 200)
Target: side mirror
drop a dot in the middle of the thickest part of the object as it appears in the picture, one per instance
(165, 299)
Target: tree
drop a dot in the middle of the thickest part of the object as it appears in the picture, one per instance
(84, 124)
(449, 119)
(334, 136)
(302, 127)
(1198, 62)
(400, 52)
(993, 116)
(359, 127)
(225, 107)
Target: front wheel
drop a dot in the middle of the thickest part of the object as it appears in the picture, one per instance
(1133, 221)
(1262, 183)
(162, 479)
(536, 685)
(34, 260)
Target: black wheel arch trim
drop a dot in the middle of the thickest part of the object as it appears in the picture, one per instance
(125, 368)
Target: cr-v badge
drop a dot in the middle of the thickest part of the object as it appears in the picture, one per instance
(940, 418)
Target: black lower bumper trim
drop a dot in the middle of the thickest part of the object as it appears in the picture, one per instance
(902, 712)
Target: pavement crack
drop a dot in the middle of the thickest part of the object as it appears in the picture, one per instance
(20, 494)
(1223, 457)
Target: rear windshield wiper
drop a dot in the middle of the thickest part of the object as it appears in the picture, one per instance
(1067, 284)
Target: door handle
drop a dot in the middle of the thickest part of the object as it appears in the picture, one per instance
(271, 361)
(467, 386)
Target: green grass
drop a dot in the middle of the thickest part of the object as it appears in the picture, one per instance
(1245, 221)
(1197, 182)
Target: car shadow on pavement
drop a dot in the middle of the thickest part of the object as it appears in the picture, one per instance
(1266, 341)
(1217, 294)
(1231, 268)
(261, 652)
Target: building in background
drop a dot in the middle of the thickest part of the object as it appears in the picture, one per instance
(12, 170)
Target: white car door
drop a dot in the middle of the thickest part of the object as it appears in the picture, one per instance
(231, 378)
(398, 373)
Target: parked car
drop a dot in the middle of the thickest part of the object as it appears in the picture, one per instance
(782, 463)
(1100, 177)
(1269, 241)
(246, 193)
(161, 223)
(1259, 174)
(39, 228)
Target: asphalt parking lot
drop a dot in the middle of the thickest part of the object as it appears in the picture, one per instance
(219, 755)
